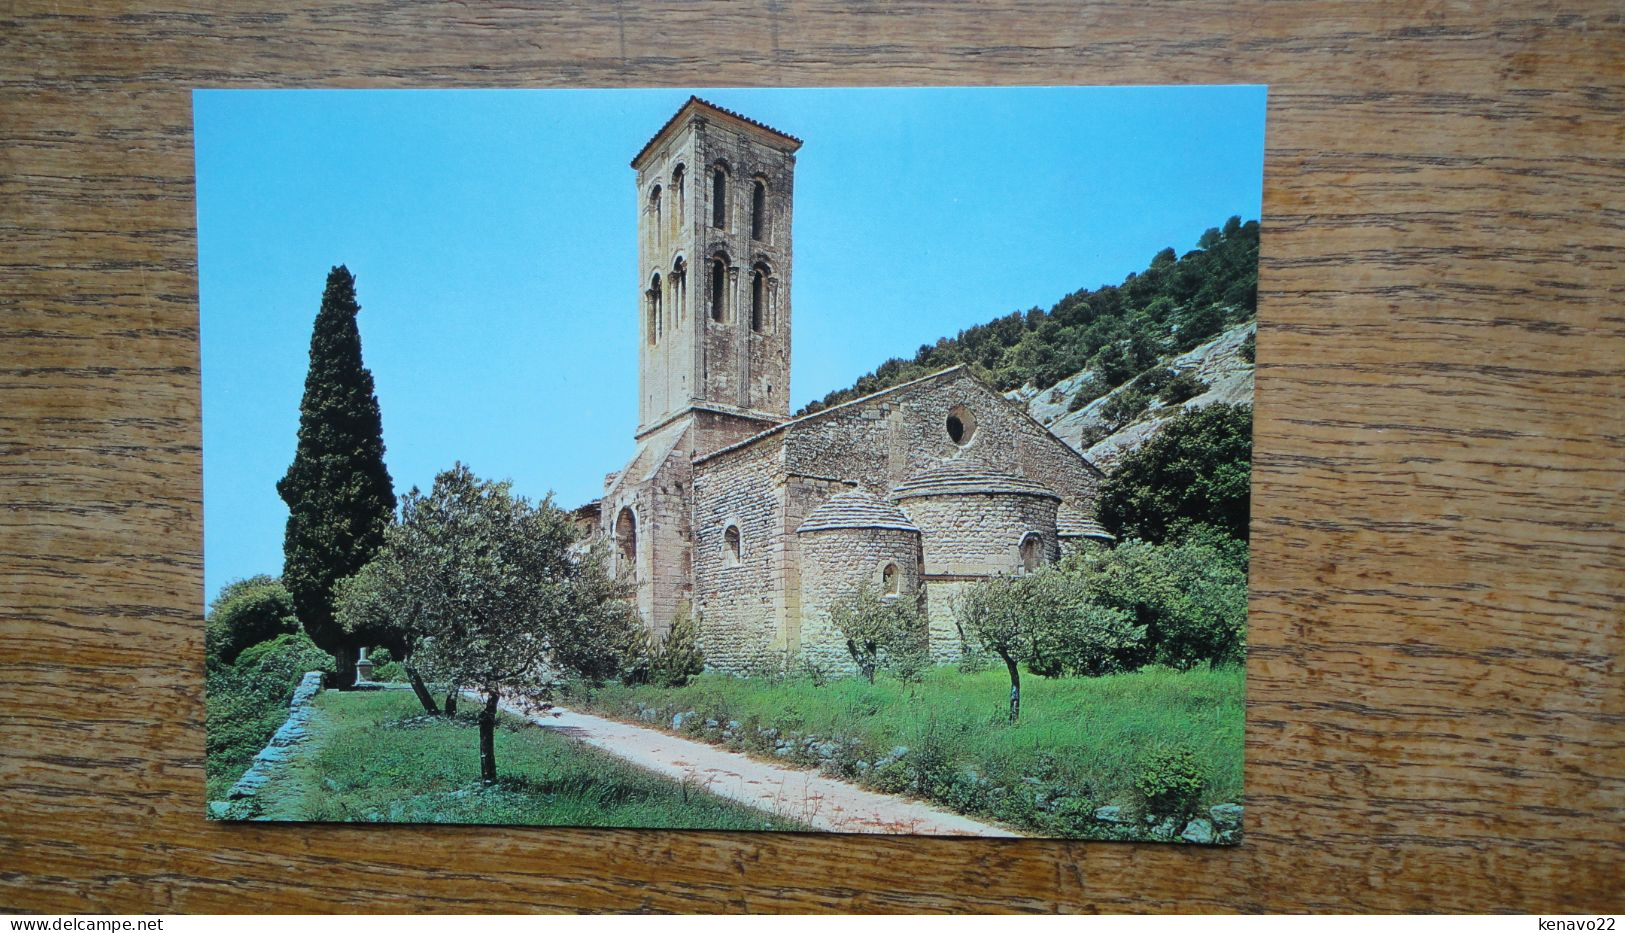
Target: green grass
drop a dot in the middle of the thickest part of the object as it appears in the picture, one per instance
(376, 757)
(1081, 742)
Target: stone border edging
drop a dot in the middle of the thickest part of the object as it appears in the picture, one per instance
(276, 752)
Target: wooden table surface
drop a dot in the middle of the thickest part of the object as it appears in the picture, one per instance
(1436, 715)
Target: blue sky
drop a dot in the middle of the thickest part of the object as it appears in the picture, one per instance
(493, 239)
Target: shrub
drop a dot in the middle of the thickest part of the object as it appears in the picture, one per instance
(292, 655)
(246, 613)
(1199, 324)
(1197, 468)
(1092, 435)
(1087, 391)
(1190, 598)
(1171, 782)
(1181, 388)
(635, 656)
(247, 701)
(1128, 404)
(1152, 381)
(1249, 348)
(677, 656)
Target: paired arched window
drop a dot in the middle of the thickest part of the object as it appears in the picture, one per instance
(730, 546)
(719, 197)
(717, 288)
(758, 299)
(656, 325)
(758, 210)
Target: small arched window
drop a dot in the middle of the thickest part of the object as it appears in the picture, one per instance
(679, 289)
(656, 325)
(719, 197)
(890, 580)
(626, 539)
(718, 288)
(679, 187)
(730, 546)
(758, 210)
(654, 213)
(758, 299)
(1032, 553)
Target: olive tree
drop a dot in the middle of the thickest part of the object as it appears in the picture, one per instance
(381, 597)
(492, 594)
(880, 629)
(1045, 620)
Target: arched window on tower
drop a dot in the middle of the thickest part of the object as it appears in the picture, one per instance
(718, 288)
(655, 220)
(626, 540)
(730, 546)
(679, 187)
(656, 324)
(758, 299)
(719, 197)
(890, 580)
(758, 210)
(679, 289)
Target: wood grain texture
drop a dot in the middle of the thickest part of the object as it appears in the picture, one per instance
(1436, 712)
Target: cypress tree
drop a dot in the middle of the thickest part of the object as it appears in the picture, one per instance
(339, 493)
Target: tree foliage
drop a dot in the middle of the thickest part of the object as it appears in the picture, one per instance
(338, 491)
(1197, 469)
(881, 631)
(668, 660)
(1118, 331)
(490, 594)
(1043, 620)
(246, 613)
(1079, 637)
(1189, 600)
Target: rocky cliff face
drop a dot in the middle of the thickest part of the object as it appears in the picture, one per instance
(1219, 363)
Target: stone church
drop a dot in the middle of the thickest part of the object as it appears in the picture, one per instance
(759, 521)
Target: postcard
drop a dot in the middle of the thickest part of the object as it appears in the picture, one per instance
(869, 460)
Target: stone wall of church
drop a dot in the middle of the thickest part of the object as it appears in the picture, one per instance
(742, 601)
(834, 563)
(880, 443)
(746, 361)
(978, 535)
(964, 539)
(802, 494)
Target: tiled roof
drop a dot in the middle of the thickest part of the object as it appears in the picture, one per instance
(959, 479)
(856, 509)
(1070, 523)
(694, 99)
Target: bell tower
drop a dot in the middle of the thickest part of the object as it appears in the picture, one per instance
(715, 190)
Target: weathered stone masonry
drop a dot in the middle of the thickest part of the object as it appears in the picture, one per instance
(759, 522)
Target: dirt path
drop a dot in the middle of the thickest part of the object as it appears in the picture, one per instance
(823, 803)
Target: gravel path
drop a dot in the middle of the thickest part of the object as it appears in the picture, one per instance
(821, 802)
